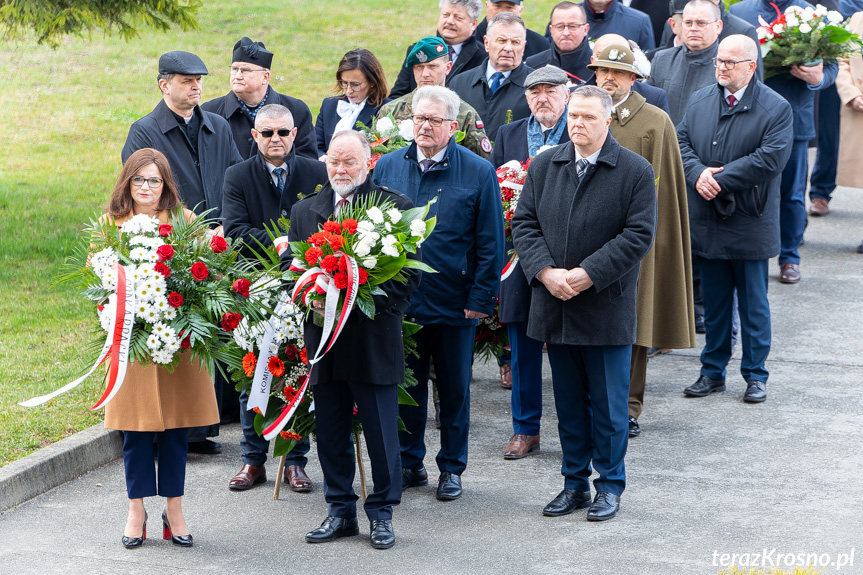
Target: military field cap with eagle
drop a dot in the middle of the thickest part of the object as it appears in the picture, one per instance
(616, 57)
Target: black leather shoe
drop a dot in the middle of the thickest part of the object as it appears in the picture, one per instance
(704, 386)
(605, 506)
(205, 447)
(566, 502)
(133, 542)
(448, 486)
(167, 533)
(634, 428)
(382, 535)
(414, 477)
(756, 391)
(699, 324)
(332, 528)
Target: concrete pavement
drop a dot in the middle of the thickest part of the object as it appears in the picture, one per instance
(707, 477)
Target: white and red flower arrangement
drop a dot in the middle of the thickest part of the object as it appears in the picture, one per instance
(804, 36)
(386, 135)
(161, 290)
(510, 178)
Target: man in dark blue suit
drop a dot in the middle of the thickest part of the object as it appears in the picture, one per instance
(613, 17)
(466, 249)
(585, 220)
(547, 96)
(257, 193)
(364, 366)
(535, 42)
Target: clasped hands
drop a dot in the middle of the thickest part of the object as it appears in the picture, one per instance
(706, 185)
(564, 284)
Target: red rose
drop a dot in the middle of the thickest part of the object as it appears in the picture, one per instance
(332, 227)
(186, 342)
(165, 230)
(175, 300)
(313, 254)
(350, 225)
(336, 242)
(200, 271)
(218, 244)
(330, 264)
(341, 280)
(292, 352)
(162, 269)
(230, 321)
(241, 287)
(302, 379)
(364, 276)
(165, 252)
(276, 366)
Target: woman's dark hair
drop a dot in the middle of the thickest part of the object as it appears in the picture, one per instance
(366, 62)
(121, 202)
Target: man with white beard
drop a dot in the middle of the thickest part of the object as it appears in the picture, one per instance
(364, 366)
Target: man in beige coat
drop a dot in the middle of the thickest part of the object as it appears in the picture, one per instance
(664, 305)
(849, 85)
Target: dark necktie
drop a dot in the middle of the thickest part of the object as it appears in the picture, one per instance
(581, 167)
(341, 204)
(495, 81)
(731, 100)
(280, 183)
(426, 164)
(452, 55)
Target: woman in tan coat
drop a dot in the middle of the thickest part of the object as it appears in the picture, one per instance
(849, 85)
(153, 403)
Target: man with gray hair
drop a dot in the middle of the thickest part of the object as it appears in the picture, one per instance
(495, 88)
(457, 21)
(257, 193)
(363, 368)
(536, 42)
(466, 249)
(585, 219)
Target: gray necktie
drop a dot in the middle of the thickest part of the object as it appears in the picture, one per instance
(581, 167)
(280, 182)
(426, 164)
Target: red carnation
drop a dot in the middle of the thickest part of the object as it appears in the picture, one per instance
(165, 230)
(200, 271)
(330, 264)
(336, 242)
(218, 244)
(364, 276)
(292, 352)
(318, 238)
(241, 287)
(343, 264)
(175, 300)
(313, 254)
(162, 269)
(276, 366)
(350, 225)
(332, 227)
(165, 252)
(230, 321)
(341, 280)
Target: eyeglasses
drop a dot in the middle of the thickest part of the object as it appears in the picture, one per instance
(573, 27)
(700, 24)
(138, 181)
(728, 64)
(354, 86)
(242, 71)
(434, 122)
(283, 132)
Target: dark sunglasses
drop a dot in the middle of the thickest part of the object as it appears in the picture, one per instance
(283, 133)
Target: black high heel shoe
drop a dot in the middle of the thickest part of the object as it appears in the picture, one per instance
(133, 542)
(181, 540)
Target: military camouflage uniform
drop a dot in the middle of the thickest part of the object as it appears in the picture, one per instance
(469, 122)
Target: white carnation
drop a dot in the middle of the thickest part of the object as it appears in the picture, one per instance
(375, 215)
(363, 247)
(805, 28)
(384, 125)
(389, 246)
(791, 21)
(395, 215)
(418, 228)
(365, 227)
(406, 130)
(370, 263)
(834, 17)
(820, 10)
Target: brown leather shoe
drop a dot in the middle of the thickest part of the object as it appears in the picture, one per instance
(248, 477)
(297, 479)
(818, 207)
(520, 445)
(789, 273)
(506, 376)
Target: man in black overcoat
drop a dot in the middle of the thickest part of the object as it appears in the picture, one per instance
(585, 220)
(364, 366)
(257, 193)
(251, 91)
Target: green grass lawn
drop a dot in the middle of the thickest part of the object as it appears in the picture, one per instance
(65, 115)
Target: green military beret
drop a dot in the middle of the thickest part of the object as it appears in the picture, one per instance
(426, 50)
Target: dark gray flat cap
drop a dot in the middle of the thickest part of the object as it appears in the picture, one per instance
(546, 75)
(179, 62)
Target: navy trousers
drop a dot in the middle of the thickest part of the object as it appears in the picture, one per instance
(450, 347)
(526, 379)
(823, 179)
(792, 204)
(377, 407)
(719, 280)
(141, 473)
(255, 447)
(591, 395)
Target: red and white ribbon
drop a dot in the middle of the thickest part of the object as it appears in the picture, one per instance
(116, 345)
(509, 267)
(287, 411)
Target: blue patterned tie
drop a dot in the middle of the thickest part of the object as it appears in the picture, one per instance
(281, 183)
(581, 167)
(495, 81)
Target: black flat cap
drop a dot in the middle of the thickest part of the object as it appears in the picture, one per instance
(252, 53)
(179, 62)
